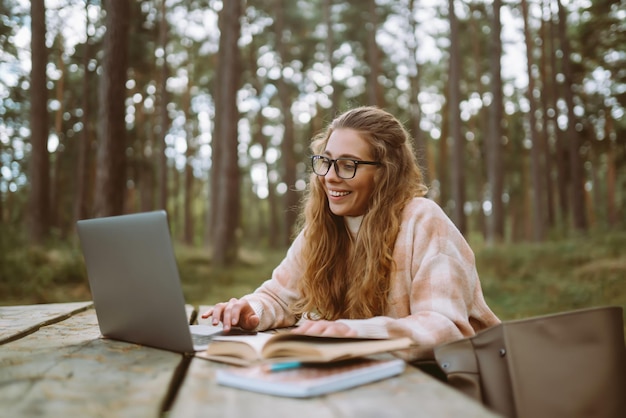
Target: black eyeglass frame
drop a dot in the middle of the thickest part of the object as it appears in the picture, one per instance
(333, 162)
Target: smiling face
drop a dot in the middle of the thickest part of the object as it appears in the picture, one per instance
(348, 197)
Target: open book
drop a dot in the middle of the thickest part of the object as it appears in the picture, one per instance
(310, 379)
(284, 346)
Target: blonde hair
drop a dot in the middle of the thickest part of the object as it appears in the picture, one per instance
(346, 278)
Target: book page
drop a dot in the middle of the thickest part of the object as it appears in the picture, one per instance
(277, 347)
(324, 349)
(247, 347)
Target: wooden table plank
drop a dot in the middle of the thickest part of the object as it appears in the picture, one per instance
(66, 369)
(413, 393)
(19, 321)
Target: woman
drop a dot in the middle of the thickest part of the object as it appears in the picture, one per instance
(374, 257)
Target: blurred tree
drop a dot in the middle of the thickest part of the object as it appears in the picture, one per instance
(225, 169)
(83, 162)
(59, 176)
(285, 96)
(536, 155)
(39, 209)
(374, 89)
(163, 113)
(493, 148)
(145, 146)
(553, 94)
(579, 217)
(547, 125)
(600, 39)
(458, 141)
(292, 85)
(477, 125)
(110, 184)
(422, 150)
(191, 133)
(329, 50)
(269, 225)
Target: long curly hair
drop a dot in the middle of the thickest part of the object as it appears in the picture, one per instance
(347, 278)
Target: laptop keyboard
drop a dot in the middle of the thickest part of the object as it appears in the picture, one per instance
(199, 339)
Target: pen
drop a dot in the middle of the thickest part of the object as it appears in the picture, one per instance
(276, 367)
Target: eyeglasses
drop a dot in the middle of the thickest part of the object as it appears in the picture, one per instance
(344, 167)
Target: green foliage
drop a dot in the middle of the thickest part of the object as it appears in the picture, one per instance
(204, 284)
(37, 274)
(519, 280)
(533, 279)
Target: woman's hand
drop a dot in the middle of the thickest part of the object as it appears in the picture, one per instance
(235, 312)
(325, 329)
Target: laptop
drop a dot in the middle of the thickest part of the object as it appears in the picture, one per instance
(135, 284)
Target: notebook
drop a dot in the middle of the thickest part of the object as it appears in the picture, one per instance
(135, 284)
(308, 380)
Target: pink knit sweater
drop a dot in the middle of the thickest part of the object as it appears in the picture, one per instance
(435, 295)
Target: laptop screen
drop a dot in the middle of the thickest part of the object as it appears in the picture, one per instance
(134, 280)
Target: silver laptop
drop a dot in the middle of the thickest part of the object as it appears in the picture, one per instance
(135, 284)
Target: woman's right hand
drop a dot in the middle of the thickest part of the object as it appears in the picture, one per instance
(234, 313)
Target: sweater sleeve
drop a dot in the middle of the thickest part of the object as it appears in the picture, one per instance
(272, 299)
(436, 295)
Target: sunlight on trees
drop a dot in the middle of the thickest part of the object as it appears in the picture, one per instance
(323, 66)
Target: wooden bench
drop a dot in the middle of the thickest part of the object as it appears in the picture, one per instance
(53, 362)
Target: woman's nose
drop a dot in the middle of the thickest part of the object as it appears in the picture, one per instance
(332, 174)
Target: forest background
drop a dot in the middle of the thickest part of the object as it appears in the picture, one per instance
(205, 108)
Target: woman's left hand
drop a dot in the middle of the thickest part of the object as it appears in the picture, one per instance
(325, 329)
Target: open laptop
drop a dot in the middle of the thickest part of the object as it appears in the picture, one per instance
(135, 284)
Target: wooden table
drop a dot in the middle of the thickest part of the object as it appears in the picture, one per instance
(53, 362)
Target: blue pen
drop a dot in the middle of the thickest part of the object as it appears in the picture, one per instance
(276, 367)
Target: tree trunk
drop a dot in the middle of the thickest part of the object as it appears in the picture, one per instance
(111, 156)
(495, 173)
(374, 91)
(190, 132)
(442, 171)
(594, 198)
(39, 208)
(273, 222)
(420, 145)
(546, 119)
(454, 99)
(287, 146)
(148, 165)
(330, 48)
(56, 181)
(477, 126)
(164, 119)
(560, 149)
(577, 194)
(536, 165)
(611, 177)
(84, 144)
(1, 194)
(225, 169)
(269, 227)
